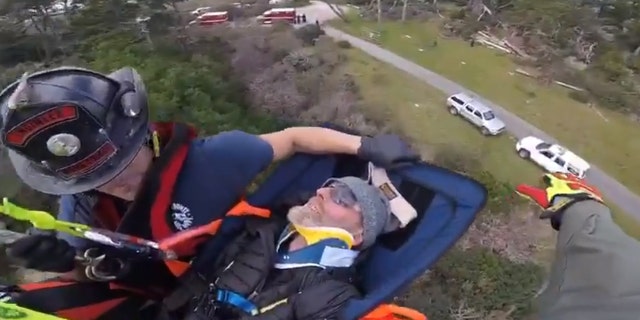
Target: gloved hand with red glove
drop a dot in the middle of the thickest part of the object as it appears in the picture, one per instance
(560, 191)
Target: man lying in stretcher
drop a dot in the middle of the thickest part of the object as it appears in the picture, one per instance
(311, 275)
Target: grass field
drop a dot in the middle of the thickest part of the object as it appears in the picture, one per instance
(606, 143)
(418, 111)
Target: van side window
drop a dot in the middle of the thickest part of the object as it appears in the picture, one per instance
(469, 108)
(547, 154)
(458, 101)
(559, 161)
(477, 114)
(573, 170)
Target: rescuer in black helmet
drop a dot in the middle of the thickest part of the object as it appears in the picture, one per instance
(87, 137)
(71, 130)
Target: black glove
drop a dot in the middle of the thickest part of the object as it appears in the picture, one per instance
(43, 252)
(388, 151)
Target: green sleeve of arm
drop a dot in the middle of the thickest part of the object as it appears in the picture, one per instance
(596, 266)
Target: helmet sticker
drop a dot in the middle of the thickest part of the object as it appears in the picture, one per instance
(20, 134)
(91, 162)
(63, 145)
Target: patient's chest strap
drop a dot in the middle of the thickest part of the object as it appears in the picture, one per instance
(236, 300)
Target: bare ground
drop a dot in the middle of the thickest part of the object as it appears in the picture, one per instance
(520, 236)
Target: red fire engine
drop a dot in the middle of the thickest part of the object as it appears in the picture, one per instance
(278, 14)
(211, 18)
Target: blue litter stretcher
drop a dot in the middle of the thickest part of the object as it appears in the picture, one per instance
(446, 202)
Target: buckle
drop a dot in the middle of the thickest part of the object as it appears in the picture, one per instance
(100, 267)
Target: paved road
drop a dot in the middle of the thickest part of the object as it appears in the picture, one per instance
(613, 190)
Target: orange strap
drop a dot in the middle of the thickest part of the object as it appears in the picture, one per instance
(393, 312)
(190, 236)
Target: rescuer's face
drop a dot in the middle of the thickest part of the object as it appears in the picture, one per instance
(127, 184)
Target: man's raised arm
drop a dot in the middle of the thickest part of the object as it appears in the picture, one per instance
(596, 272)
(383, 150)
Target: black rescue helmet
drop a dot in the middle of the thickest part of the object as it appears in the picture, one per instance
(70, 130)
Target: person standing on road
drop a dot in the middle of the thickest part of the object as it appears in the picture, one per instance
(596, 271)
(87, 137)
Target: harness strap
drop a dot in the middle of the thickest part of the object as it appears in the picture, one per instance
(236, 300)
(191, 282)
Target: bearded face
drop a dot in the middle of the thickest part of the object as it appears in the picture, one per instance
(304, 216)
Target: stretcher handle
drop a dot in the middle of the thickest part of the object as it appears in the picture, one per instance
(394, 312)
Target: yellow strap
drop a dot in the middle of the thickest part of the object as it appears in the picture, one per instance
(10, 311)
(273, 305)
(155, 142)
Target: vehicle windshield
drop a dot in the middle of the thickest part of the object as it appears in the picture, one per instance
(488, 115)
(543, 146)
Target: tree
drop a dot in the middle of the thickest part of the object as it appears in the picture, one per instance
(611, 63)
(617, 12)
(16, 46)
(404, 9)
(35, 18)
(105, 17)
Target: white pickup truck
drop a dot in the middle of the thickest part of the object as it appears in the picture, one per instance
(475, 112)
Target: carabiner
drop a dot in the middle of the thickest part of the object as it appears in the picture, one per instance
(99, 267)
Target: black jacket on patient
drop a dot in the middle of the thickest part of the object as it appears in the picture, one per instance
(250, 286)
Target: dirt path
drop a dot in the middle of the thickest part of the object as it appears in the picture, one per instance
(320, 11)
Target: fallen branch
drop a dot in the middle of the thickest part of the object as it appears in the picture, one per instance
(494, 45)
(566, 85)
(560, 83)
(524, 73)
(501, 44)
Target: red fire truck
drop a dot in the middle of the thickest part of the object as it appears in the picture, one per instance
(278, 14)
(211, 18)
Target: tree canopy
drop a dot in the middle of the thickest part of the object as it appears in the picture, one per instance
(602, 34)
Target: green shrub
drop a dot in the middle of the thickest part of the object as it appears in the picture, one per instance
(344, 44)
(309, 33)
(618, 96)
(458, 14)
(580, 96)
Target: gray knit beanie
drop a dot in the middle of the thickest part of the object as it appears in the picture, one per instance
(374, 206)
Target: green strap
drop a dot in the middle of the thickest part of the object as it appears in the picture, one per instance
(41, 219)
(11, 311)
